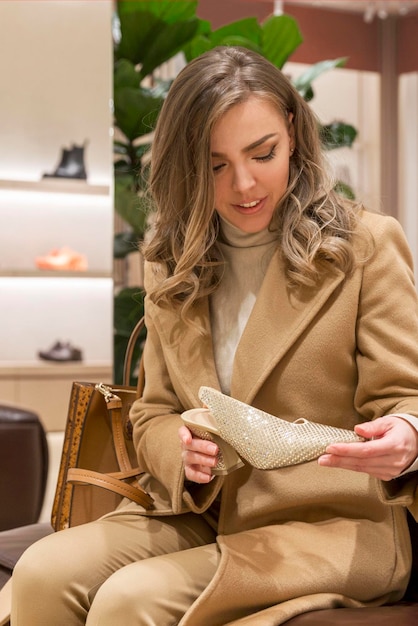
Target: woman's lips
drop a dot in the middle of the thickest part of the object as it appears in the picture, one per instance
(248, 208)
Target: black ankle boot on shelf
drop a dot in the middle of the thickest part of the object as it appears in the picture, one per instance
(71, 164)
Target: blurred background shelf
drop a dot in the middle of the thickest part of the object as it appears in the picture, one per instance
(55, 185)
(67, 274)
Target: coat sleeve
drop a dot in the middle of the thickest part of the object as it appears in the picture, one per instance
(387, 342)
(156, 421)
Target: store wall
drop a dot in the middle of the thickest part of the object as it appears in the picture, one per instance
(56, 83)
(55, 91)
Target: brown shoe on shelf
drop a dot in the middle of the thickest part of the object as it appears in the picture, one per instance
(61, 352)
(62, 259)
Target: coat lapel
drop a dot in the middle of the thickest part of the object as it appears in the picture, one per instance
(188, 352)
(277, 320)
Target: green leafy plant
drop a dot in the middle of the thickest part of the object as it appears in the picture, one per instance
(148, 33)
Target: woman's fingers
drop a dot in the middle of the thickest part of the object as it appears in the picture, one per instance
(199, 456)
(392, 446)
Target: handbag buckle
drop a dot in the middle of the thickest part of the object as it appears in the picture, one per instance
(106, 391)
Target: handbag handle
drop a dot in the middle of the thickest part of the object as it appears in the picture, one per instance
(111, 483)
(127, 365)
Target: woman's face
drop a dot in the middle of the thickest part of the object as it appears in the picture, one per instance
(250, 151)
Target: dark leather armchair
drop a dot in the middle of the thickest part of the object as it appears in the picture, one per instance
(23, 466)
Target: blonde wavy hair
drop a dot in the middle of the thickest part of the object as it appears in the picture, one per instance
(314, 225)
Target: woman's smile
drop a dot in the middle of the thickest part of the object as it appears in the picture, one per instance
(250, 207)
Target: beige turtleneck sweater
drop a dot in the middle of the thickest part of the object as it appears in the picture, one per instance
(246, 259)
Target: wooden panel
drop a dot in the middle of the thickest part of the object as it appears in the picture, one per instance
(7, 391)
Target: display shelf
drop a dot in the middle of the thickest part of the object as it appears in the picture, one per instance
(55, 185)
(35, 273)
(51, 369)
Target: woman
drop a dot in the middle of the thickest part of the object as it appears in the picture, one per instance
(262, 283)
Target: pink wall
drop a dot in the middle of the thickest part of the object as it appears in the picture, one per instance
(220, 12)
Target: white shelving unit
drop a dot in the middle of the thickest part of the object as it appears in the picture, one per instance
(56, 92)
(40, 307)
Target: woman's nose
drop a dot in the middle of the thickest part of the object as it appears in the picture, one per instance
(242, 179)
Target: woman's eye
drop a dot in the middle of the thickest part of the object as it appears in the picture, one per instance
(267, 157)
(217, 168)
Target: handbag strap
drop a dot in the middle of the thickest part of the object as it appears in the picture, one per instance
(114, 408)
(109, 482)
(127, 365)
(119, 437)
(114, 481)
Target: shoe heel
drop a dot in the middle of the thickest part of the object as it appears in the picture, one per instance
(200, 422)
(228, 459)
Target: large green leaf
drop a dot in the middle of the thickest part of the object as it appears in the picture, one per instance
(280, 38)
(128, 309)
(247, 28)
(132, 208)
(125, 75)
(135, 109)
(154, 31)
(200, 42)
(337, 135)
(303, 82)
(245, 33)
(168, 40)
(196, 47)
(168, 10)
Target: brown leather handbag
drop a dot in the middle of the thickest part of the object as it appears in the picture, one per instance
(98, 463)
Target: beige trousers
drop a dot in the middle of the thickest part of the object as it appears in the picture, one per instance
(122, 569)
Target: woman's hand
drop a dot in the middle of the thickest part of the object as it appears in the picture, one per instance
(391, 448)
(199, 456)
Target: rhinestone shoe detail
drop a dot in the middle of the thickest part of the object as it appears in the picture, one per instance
(266, 442)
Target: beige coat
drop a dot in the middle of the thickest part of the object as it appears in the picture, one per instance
(306, 536)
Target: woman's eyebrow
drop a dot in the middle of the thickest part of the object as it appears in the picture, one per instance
(252, 146)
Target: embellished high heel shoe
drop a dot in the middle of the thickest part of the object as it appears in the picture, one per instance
(263, 440)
